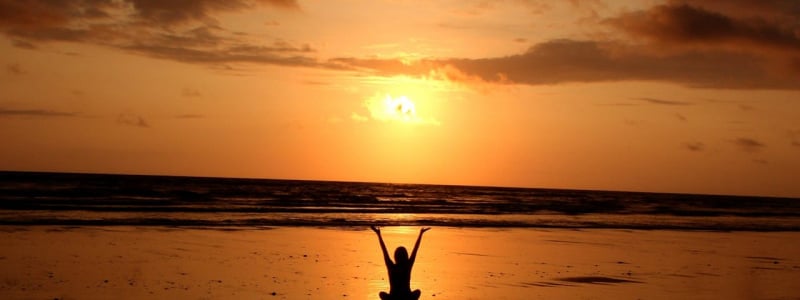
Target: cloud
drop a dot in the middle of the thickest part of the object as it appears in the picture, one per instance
(46, 13)
(781, 13)
(663, 102)
(132, 120)
(738, 44)
(633, 123)
(681, 23)
(14, 69)
(681, 117)
(189, 116)
(768, 30)
(794, 136)
(173, 12)
(34, 113)
(223, 55)
(748, 144)
(564, 61)
(358, 118)
(695, 146)
(191, 93)
(37, 13)
(183, 31)
(23, 44)
(746, 107)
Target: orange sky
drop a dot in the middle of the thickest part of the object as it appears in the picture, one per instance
(663, 96)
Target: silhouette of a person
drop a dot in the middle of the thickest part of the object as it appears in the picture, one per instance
(400, 269)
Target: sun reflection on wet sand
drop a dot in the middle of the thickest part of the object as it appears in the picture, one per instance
(403, 232)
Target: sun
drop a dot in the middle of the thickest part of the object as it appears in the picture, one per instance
(400, 108)
(396, 109)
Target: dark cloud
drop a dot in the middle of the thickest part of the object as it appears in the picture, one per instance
(214, 45)
(746, 107)
(633, 123)
(278, 46)
(34, 113)
(315, 82)
(132, 120)
(681, 117)
(709, 44)
(49, 13)
(14, 69)
(147, 27)
(794, 136)
(706, 44)
(46, 13)
(23, 44)
(663, 102)
(695, 146)
(260, 55)
(35, 21)
(768, 30)
(755, 51)
(685, 24)
(51, 34)
(189, 92)
(618, 104)
(748, 144)
(189, 116)
(562, 61)
(779, 11)
(181, 11)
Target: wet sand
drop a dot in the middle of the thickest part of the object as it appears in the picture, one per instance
(48, 262)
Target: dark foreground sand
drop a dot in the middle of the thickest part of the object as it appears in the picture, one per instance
(308, 263)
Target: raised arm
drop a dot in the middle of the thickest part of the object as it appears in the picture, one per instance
(386, 258)
(416, 246)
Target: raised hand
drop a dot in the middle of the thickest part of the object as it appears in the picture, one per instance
(421, 231)
(376, 229)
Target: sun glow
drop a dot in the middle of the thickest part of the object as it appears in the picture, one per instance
(401, 109)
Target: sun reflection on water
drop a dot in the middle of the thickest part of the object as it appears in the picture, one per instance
(400, 230)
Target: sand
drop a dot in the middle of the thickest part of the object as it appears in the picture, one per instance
(46, 262)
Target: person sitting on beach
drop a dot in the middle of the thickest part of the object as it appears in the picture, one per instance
(400, 269)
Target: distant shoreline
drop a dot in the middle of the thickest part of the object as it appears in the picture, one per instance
(4, 173)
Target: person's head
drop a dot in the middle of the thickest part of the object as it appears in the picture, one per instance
(400, 255)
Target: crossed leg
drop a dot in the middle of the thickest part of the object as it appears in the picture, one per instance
(413, 296)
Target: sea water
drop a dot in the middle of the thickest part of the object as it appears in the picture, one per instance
(35, 198)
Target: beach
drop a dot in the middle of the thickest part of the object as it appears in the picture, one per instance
(121, 262)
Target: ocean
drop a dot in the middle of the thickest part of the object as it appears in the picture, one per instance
(68, 199)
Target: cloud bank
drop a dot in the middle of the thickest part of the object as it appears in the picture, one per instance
(748, 144)
(5, 112)
(128, 119)
(702, 44)
(732, 44)
(184, 31)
